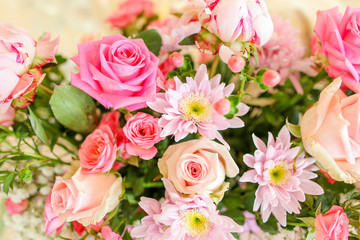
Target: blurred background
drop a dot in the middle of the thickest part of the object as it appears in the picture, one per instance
(71, 19)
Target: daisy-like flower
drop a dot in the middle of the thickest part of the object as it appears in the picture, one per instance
(282, 175)
(183, 218)
(284, 53)
(190, 107)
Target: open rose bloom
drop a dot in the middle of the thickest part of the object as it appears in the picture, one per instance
(21, 60)
(330, 133)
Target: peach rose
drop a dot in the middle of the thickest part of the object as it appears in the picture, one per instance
(198, 166)
(332, 225)
(98, 152)
(330, 133)
(7, 115)
(85, 198)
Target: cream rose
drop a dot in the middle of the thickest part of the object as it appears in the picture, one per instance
(198, 166)
(330, 133)
(86, 198)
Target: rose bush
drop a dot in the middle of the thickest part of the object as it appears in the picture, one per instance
(330, 133)
(336, 44)
(198, 166)
(116, 71)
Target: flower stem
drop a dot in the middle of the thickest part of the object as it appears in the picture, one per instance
(46, 89)
(214, 65)
(242, 86)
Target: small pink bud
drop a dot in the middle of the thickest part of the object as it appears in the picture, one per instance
(16, 208)
(223, 106)
(176, 59)
(170, 84)
(236, 63)
(271, 78)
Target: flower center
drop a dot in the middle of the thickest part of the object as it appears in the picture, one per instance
(279, 174)
(196, 224)
(195, 107)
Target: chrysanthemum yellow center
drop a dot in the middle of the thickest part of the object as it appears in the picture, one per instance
(195, 107)
(279, 174)
(196, 224)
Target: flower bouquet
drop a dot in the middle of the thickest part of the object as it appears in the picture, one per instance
(212, 123)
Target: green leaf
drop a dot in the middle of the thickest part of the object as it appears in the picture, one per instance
(189, 40)
(294, 129)
(38, 127)
(152, 40)
(309, 221)
(25, 175)
(138, 187)
(73, 108)
(8, 182)
(318, 210)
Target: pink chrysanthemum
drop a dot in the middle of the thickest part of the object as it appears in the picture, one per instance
(191, 218)
(190, 107)
(283, 178)
(284, 53)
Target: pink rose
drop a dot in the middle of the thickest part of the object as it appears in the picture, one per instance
(338, 38)
(7, 115)
(197, 166)
(143, 131)
(98, 152)
(85, 198)
(108, 234)
(231, 20)
(16, 208)
(78, 228)
(111, 119)
(52, 221)
(21, 60)
(116, 71)
(329, 132)
(332, 225)
(128, 12)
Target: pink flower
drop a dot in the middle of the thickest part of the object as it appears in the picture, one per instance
(338, 38)
(98, 152)
(116, 71)
(16, 208)
(52, 221)
(111, 119)
(231, 20)
(21, 60)
(190, 107)
(96, 227)
(329, 131)
(143, 131)
(173, 31)
(178, 217)
(284, 53)
(108, 234)
(332, 225)
(78, 228)
(7, 115)
(282, 183)
(85, 198)
(198, 166)
(128, 11)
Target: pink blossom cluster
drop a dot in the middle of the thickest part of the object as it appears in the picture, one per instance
(181, 217)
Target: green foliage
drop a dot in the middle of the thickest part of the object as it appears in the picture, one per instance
(189, 40)
(152, 40)
(73, 108)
